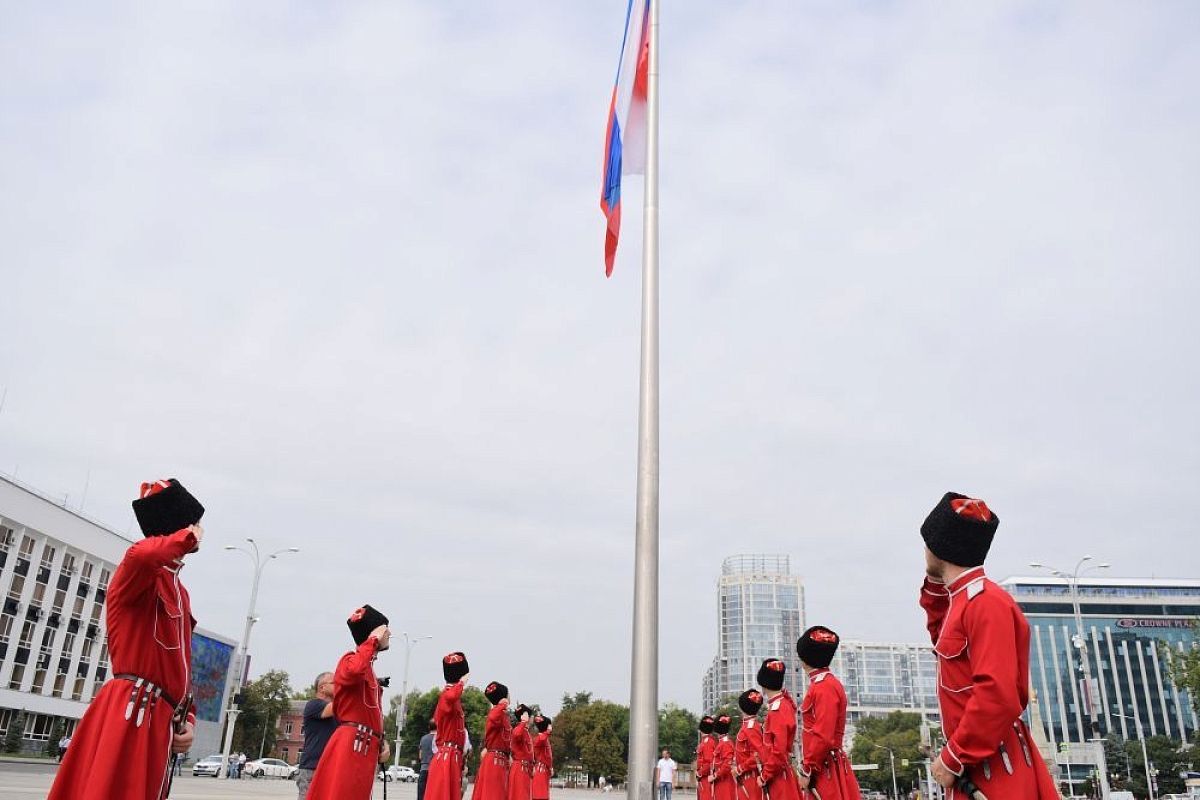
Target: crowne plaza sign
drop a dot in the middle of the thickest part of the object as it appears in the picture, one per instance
(1152, 622)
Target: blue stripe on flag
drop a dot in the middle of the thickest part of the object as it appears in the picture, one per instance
(612, 171)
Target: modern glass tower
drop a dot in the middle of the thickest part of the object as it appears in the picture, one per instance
(760, 614)
(1128, 622)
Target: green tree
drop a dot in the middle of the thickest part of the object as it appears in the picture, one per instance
(1166, 756)
(1184, 667)
(15, 732)
(263, 702)
(56, 733)
(1116, 757)
(677, 732)
(593, 734)
(419, 711)
(900, 731)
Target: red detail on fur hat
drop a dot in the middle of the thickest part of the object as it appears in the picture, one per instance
(829, 637)
(972, 509)
(775, 666)
(153, 488)
(357, 615)
(754, 697)
(453, 658)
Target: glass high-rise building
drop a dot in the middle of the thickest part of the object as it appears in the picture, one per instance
(1127, 624)
(760, 614)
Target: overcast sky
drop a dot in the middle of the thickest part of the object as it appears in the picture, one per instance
(338, 267)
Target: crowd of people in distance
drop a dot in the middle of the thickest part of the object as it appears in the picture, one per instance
(124, 746)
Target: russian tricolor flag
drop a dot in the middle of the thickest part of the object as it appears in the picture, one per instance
(625, 144)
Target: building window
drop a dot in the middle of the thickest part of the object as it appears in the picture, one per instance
(38, 727)
(77, 693)
(27, 548)
(39, 680)
(287, 730)
(6, 623)
(16, 587)
(27, 634)
(85, 574)
(6, 717)
(60, 680)
(18, 674)
(7, 538)
(47, 557)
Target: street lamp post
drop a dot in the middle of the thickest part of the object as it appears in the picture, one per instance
(892, 758)
(1072, 580)
(1137, 726)
(231, 714)
(401, 711)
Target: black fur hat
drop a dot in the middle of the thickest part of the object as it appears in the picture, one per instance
(721, 725)
(454, 666)
(164, 507)
(706, 724)
(960, 530)
(363, 621)
(770, 674)
(750, 701)
(495, 692)
(816, 646)
(542, 723)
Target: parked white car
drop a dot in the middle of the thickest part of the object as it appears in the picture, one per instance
(209, 766)
(395, 773)
(269, 768)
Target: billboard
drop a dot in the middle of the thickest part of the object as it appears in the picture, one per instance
(211, 661)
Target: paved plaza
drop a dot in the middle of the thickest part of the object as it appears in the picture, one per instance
(32, 782)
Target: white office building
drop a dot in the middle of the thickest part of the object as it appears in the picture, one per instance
(882, 677)
(760, 614)
(55, 565)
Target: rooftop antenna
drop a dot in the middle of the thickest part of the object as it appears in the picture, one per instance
(87, 480)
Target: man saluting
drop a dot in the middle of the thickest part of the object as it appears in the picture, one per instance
(123, 747)
(982, 643)
(347, 768)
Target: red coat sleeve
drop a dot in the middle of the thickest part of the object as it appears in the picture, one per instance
(723, 760)
(138, 570)
(935, 599)
(995, 701)
(352, 668)
(819, 715)
(775, 747)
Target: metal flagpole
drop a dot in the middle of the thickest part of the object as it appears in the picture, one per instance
(643, 700)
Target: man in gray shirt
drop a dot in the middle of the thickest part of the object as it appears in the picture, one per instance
(319, 725)
(426, 750)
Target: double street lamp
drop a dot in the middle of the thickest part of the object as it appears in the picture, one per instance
(1080, 641)
(409, 644)
(233, 711)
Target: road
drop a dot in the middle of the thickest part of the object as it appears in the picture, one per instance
(32, 782)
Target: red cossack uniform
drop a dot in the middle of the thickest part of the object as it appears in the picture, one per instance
(122, 747)
(779, 735)
(543, 766)
(520, 774)
(724, 787)
(823, 727)
(747, 756)
(705, 752)
(491, 783)
(445, 771)
(347, 768)
(982, 643)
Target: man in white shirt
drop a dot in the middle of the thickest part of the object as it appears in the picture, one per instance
(665, 775)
